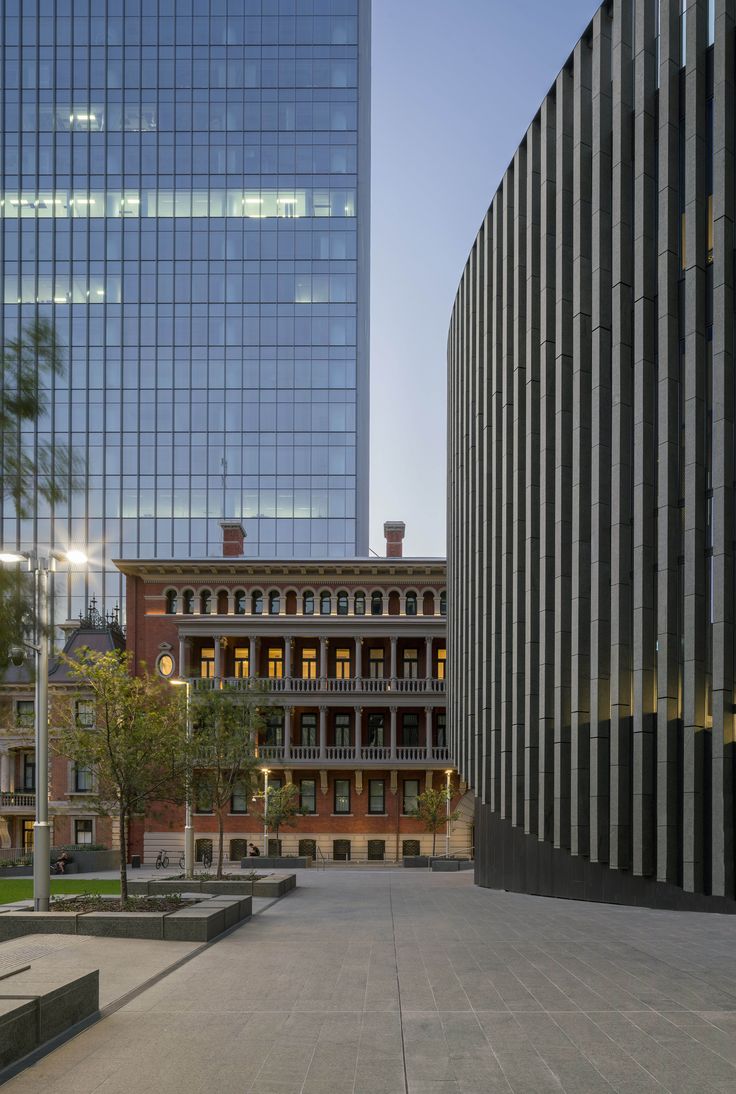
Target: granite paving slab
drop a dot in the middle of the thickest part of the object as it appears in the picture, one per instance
(420, 982)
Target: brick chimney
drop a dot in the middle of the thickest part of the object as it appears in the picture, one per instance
(233, 539)
(394, 530)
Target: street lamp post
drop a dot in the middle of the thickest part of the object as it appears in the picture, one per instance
(40, 568)
(188, 829)
(266, 773)
(447, 828)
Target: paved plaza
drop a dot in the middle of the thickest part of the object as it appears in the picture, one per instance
(391, 981)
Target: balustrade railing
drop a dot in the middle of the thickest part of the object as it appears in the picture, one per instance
(413, 753)
(305, 752)
(374, 752)
(340, 752)
(352, 685)
(10, 799)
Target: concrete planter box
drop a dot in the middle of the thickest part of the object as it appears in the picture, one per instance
(16, 871)
(15, 924)
(156, 887)
(200, 924)
(61, 1002)
(90, 862)
(447, 864)
(36, 1006)
(276, 885)
(414, 861)
(18, 1029)
(236, 888)
(122, 924)
(263, 862)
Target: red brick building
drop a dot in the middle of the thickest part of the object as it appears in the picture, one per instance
(73, 818)
(355, 652)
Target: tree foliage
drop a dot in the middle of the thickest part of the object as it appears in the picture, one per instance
(136, 750)
(431, 810)
(280, 808)
(29, 468)
(226, 723)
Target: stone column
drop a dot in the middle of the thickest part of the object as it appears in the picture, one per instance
(288, 643)
(358, 658)
(428, 730)
(4, 771)
(323, 733)
(323, 658)
(428, 658)
(288, 711)
(393, 658)
(358, 732)
(252, 656)
(184, 669)
(402, 603)
(218, 657)
(393, 732)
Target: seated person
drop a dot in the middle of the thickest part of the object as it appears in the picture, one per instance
(62, 860)
(253, 850)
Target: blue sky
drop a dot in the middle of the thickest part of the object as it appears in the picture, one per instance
(455, 85)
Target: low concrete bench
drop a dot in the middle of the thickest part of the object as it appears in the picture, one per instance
(446, 864)
(37, 1005)
(275, 885)
(282, 862)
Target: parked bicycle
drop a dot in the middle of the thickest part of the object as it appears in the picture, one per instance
(181, 861)
(206, 859)
(162, 860)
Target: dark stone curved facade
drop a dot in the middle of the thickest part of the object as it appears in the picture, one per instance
(591, 476)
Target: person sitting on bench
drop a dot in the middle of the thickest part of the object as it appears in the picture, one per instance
(62, 860)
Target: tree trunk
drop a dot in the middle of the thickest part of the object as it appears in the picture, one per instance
(122, 814)
(434, 840)
(220, 843)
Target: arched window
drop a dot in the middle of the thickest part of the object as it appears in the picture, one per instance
(342, 603)
(187, 602)
(308, 603)
(359, 603)
(171, 602)
(256, 602)
(274, 602)
(443, 602)
(376, 603)
(205, 602)
(411, 603)
(222, 603)
(325, 604)
(239, 602)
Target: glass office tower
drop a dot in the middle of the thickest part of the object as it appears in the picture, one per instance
(186, 195)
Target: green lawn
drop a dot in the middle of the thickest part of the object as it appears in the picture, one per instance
(21, 888)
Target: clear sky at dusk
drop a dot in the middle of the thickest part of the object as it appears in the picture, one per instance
(455, 85)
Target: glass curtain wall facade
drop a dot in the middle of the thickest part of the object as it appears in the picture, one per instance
(186, 195)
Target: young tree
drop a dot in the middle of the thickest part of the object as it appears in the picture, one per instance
(136, 750)
(431, 810)
(226, 723)
(280, 809)
(29, 468)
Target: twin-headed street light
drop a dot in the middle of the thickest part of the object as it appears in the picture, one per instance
(40, 567)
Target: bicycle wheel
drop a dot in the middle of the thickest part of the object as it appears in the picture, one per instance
(206, 860)
(158, 861)
(165, 861)
(181, 862)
